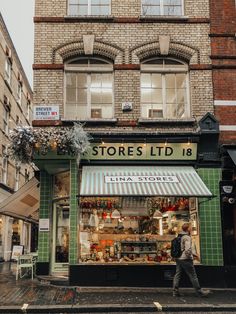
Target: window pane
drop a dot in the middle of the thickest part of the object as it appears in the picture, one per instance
(156, 80)
(146, 81)
(180, 80)
(171, 111)
(172, 2)
(170, 80)
(151, 10)
(180, 110)
(71, 95)
(70, 80)
(95, 96)
(84, 2)
(181, 96)
(82, 10)
(156, 96)
(82, 96)
(146, 95)
(96, 81)
(150, 2)
(107, 80)
(170, 96)
(82, 80)
(106, 97)
(172, 10)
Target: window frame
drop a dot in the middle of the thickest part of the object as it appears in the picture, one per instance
(89, 9)
(19, 92)
(105, 67)
(8, 70)
(162, 5)
(4, 165)
(167, 69)
(6, 118)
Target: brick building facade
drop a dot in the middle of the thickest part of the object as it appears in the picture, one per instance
(223, 55)
(16, 98)
(133, 73)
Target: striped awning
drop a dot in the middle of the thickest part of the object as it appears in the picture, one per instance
(142, 181)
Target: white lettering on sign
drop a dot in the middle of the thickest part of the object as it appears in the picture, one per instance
(143, 179)
(46, 112)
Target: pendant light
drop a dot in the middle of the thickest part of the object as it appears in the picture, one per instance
(115, 214)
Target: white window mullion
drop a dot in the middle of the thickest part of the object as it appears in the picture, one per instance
(182, 7)
(187, 89)
(89, 7)
(162, 7)
(163, 95)
(76, 95)
(89, 95)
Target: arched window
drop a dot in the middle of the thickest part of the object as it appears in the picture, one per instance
(162, 7)
(89, 89)
(164, 89)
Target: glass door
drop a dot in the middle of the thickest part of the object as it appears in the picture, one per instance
(61, 231)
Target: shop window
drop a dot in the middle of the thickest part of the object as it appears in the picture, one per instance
(89, 90)
(164, 89)
(89, 7)
(17, 177)
(62, 232)
(16, 232)
(162, 7)
(133, 229)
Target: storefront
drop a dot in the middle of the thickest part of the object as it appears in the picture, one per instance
(111, 221)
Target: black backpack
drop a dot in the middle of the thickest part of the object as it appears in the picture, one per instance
(176, 247)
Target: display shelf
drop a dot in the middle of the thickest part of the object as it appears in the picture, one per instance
(138, 242)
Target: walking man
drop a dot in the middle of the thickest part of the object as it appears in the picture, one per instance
(185, 263)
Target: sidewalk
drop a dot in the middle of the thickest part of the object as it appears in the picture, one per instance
(33, 296)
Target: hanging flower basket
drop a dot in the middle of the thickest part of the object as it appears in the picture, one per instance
(27, 140)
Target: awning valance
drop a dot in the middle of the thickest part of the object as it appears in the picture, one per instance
(24, 203)
(142, 181)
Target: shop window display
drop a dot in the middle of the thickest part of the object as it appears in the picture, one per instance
(133, 229)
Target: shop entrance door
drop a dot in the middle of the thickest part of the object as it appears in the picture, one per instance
(60, 241)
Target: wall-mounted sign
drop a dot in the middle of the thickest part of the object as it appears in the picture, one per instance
(127, 106)
(46, 112)
(142, 151)
(137, 179)
(44, 224)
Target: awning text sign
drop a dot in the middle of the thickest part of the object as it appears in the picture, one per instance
(46, 112)
(142, 151)
(143, 179)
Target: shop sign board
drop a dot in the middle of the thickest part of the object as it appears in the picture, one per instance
(142, 151)
(46, 112)
(143, 179)
(44, 224)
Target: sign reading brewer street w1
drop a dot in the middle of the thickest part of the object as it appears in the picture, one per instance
(140, 151)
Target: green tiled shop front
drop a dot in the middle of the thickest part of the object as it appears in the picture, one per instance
(210, 220)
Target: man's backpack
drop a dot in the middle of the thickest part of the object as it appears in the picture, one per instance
(176, 247)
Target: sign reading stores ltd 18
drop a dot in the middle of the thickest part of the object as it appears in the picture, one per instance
(139, 151)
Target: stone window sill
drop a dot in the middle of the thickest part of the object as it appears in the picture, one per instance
(166, 121)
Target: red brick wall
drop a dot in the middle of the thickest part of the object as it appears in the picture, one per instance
(224, 82)
(223, 16)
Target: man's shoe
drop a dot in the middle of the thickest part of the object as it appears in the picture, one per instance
(203, 293)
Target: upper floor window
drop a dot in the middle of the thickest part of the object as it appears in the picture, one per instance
(8, 67)
(164, 89)
(6, 114)
(162, 7)
(4, 164)
(89, 90)
(19, 92)
(89, 7)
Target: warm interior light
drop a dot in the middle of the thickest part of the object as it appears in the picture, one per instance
(115, 214)
(157, 215)
(166, 142)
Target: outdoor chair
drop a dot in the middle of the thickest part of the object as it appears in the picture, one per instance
(25, 264)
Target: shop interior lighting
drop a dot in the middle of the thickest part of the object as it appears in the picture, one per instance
(188, 142)
(115, 214)
(122, 144)
(102, 142)
(166, 142)
(145, 144)
(157, 215)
